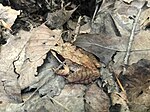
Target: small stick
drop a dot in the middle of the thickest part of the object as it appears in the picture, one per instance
(77, 30)
(95, 12)
(61, 63)
(97, 8)
(131, 39)
(119, 83)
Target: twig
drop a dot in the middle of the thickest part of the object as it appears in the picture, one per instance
(54, 54)
(119, 83)
(61, 63)
(131, 39)
(95, 12)
(97, 8)
(77, 30)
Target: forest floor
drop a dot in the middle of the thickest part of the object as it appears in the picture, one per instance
(75, 56)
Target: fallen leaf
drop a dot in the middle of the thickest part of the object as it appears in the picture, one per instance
(11, 107)
(45, 103)
(58, 18)
(5, 25)
(148, 3)
(103, 46)
(119, 99)
(104, 23)
(39, 44)
(96, 100)
(72, 97)
(140, 50)
(49, 83)
(136, 83)
(8, 56)
(8, 15)
(122, 17)
(145, 19)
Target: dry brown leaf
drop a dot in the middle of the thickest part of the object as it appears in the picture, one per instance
(5, 25)
(9, 53)
(8, 14)
(39, 44)
(124, 15)
(136, 83)
(58, 18)
(140, 49)
(88, 71)
(141, 41)
(96, 100)
(104, 23)
(120, 99)
(103, 46)
(72, 97)
(145, 18)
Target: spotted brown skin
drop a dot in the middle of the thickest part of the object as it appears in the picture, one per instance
(80, 74)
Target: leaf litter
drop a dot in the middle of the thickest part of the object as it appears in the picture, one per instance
(96, 71)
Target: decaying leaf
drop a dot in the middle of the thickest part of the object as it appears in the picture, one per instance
(140, 50)
(88, 70)
(96, 100)
(103, 46)
(119, 99)
(136, 82)
(108, 80)
(58, 18)
(72, 97)
(10, 89)
(10, 107)
(44, 104)
(8, 15)
(145, 19)
(48, 81)
(104, 23)
(39, 44)
(124, 15)
(7, 26)
(85, 28)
